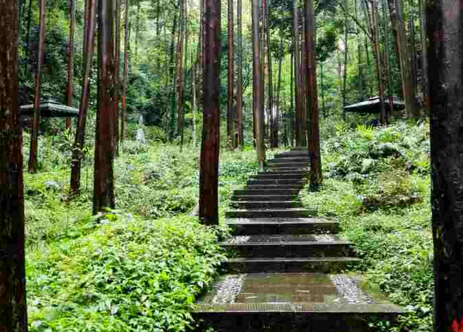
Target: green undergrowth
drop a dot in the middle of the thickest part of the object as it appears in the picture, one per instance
(377, 185)
(139, 268)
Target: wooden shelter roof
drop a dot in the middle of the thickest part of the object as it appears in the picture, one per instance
(50, 109)
(371, 106)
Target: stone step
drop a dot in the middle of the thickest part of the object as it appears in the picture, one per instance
(278, 176)
(266, 191)
(266, 205)
(276, 182)
(275, 187)
(279, 170)
(282, 226)
(293, 154)
(292, 302)
(292, 265)
(265, 198)
(291, 246)
(288, 165)
(289, 160)
(276, 213)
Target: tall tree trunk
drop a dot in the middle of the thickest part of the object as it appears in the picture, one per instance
(276, 128)
(304, 82)
(185, 33)
(291, 111)
(344, 75)
(70, 90)
(103, 194)
(126, 69)
(195, 103)
(36, 123)
(77, 150)
(28, 36)
(231, 74)
(179, 80)
(424, 58)
(270, 101)
(210, 147)
(172, 72)
(404, 56)
(315, 175)
(297, 75)
(367, 54)
(322, 86)
(257, 89)
(239, 84)
(445, 54)
(13, 307)
(413, 56)
(137, 36)
(387, 63)
(118, 75)
(375, 32)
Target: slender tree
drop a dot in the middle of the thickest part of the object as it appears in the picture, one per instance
(13, 306)
(179, 79)
(346, 59)
(270, 101)
(185, 33)
(103, 193)
(445, 55)
(315, 175)
(195, 103)
(28, 35)
(257, 89)
(36, 123)
(117, 12)
(78, 148)
(424, 57)
(70, 90)
(231, 75)
(276, 128)
(126, 69)
(297, 75)
(210, 147)
(239, 84)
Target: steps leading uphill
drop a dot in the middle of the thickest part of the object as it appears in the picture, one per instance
(286, 270)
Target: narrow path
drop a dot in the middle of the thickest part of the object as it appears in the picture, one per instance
(286, 270)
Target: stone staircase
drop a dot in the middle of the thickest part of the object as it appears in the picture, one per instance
(286, 270)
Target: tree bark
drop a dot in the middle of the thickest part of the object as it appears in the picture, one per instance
(118, 76)
(13, 307)
(28, 35)
(179, 83)
(126, 69)
(103, 194)
(404, 56)
(445, 55)
(322, 86)
(239, 84)
(70, 90)
(172, 71)
(195, 106)
(297, 74)
(231, 74)
(210, 147)
(304, 82)
(276, 129)
(257, 89)
(36, 123)
(315, 175)
(77, 151)
(270, 101)
(344, 75)
(413, 57)
(424, 58)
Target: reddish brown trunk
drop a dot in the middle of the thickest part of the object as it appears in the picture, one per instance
(103, 194)
(304, 89)
(276, 129)
(239, 88)
(70, 90)
(117, 68)
(181, 37)
(231, 74)
(77, 151)
(36, 123)
(13, 306)
(270, 101)
(444, 18)
(210, 147)
(126, 70)
(315, 177)
(259, 116)
(297, 75)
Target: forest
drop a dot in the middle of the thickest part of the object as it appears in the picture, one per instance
(159, 154)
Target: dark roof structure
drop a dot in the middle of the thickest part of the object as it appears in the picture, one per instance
(371, 106)
(50, 109)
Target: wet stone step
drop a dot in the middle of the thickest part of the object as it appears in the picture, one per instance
(282, 226)
(291, 265)
(292, 302)
(288, 165)
(288, 246)
(267, 191)
(294, 154)
(280, 170)
(276, 213)
(265, 198)
(266, 205)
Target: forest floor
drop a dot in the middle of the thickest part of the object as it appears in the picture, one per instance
(140, 268)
